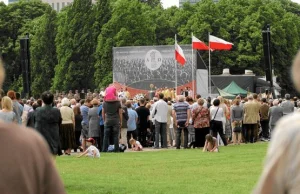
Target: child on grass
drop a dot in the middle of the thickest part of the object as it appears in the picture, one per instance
(211, 144)
(135, 145)
(92, 151)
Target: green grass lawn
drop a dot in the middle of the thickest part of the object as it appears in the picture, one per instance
(235, 170)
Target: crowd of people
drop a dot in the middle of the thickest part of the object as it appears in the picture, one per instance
(113, 122)
(108, 121)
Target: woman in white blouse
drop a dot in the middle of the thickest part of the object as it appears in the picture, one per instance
(216, 124)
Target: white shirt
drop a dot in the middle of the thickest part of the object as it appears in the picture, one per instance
(90, 151)
(161, 109)
(102, 93)
(138, 144)
(121, 95)
(27, 108)
(220, 114)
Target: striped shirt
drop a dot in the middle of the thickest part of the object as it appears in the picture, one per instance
(181, 109)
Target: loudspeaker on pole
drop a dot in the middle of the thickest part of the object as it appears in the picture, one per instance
(25, 64)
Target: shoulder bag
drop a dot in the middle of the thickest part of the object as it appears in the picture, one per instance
(213, 122)
(238, 127)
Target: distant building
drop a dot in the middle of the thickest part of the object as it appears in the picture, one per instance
(6, 2)
(181, 2)
(57, 5)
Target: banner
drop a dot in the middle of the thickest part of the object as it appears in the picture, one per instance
(138, 67)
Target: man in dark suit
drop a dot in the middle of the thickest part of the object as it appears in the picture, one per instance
(47, 121)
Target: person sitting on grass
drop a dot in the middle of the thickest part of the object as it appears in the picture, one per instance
(135, 145)
(92, 151)
(211, 144)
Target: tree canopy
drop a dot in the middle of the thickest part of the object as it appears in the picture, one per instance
(72, 49)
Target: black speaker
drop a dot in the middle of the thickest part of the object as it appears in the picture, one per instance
(25, 64)
(266, 34)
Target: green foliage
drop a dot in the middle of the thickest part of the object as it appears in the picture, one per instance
(128, 26)
(85, 34)
(13, 18)
(43, 52)
(152, 3)
(75, 43)
(108, 79)
(17, 85)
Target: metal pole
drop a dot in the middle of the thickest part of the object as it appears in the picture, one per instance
(209, 66)
(175, 67)
(193, 81)
(270, 65)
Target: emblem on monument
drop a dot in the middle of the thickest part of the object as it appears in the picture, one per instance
(153, 60)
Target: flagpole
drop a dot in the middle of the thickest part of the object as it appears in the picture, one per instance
(193, 83)
(175, 68)
(209, 67)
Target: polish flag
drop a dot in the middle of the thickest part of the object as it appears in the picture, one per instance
(198, 44)
(216, 43)
(179, 54)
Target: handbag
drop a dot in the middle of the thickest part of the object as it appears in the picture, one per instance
(238, 127)
(213, 122)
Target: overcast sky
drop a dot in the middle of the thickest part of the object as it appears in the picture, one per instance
(169, 3)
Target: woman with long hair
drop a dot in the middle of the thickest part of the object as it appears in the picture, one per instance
(225, 111)
(7, 114)
(211, 144)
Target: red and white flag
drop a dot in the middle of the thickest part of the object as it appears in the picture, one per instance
(198, 44)
(216, 43)
(179, 54)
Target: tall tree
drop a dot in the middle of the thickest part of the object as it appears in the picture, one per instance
(102, 13)
(128, 26)
(43, 52)
(12, 20)
(75, 47)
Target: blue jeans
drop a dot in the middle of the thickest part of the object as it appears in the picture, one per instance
(115, 132)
